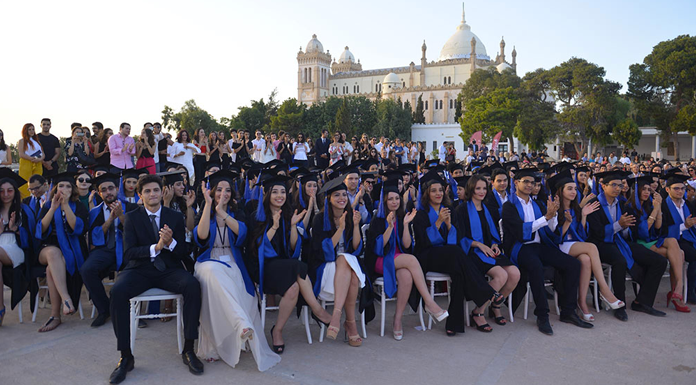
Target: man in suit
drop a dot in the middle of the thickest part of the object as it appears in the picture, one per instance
(321, 149)
(154, 246)
(106, 235)
(38, 186)
(497, 195)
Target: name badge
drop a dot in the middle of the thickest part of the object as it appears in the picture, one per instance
(225, 258)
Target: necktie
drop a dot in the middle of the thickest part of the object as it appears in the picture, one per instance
(112, 235)
(159, 263)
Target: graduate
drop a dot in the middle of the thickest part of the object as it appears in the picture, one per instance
(336, 243)
(528, 227)
(389, 254)
(678, 224)
(106, 235)
(498, 194)
(229, 310)
(478, 235)
(572, 236)
(126, 189)
(436, 249)
(273, 250)
(61, 225)
(609, 231)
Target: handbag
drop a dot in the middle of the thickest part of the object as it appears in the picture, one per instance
(85, 160)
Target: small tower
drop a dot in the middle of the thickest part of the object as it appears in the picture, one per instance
(423, 64)
(514, 58)
(313, 72)
(502, 51)
(473, 55)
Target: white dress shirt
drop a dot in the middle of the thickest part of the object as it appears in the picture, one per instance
(537, 223)
(172, 245)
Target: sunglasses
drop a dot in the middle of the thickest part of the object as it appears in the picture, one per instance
(84, 180)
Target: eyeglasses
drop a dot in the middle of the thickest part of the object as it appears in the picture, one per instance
(370, 182)
(527, 182)
(33, 188)
(615, 185)
(105, 189)
(84, 180)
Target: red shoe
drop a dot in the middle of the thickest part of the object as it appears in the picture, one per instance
(669, 297)
(680, 308)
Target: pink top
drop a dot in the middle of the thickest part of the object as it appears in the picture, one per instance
(120, 157)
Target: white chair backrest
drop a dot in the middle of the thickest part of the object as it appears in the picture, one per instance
(500, 226)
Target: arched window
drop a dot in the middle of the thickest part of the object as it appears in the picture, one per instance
(309, 79)
(403, 84)
(358, 87)
(376, 87)
(304, 76)
(444, 80)
(450, 106)
(449, 80)
(426, 105)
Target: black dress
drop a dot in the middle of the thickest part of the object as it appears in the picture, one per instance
(464, 231)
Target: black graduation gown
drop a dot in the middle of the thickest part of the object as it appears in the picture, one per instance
(493, 206)
(464, 230)
(19, 278)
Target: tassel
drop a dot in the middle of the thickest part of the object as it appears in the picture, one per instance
(247, 190)
(637, 198)
(260, 213)
(419, 205)
(327, 223)
(380, 208)
(121, 193)
(595, 187)
(302, 202)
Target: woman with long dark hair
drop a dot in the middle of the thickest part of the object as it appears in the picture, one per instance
(31, 156)
(145, 150)
(16, 238)
(229, 313)
(479, 237)
(274, 249)
(77, 143)
(572, 226)
(336, 242)
(646, 207)
(5, 154)
(182, 152)
(300, 151)
(83, 181)
(200, 140)
(61, 224)
(436, 249)
(388, 254)
(101, 147)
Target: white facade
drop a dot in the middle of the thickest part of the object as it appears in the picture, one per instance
(437, 82)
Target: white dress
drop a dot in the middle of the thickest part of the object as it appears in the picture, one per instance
(8, 242)
(327, 279)
(226, 310)
(269, 154)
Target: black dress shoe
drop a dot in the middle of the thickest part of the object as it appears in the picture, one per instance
(691, 298)
(621, 315)
(544, 326)
(573, 318)
(100, 320)
(647, 309)
(125, 365)
(194, 364)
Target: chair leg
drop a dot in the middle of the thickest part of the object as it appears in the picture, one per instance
(596, 295)
(364, 328)
(305, 319)
(263, 311)
(555, 302)
(685, 281)
(512, 317)
(466, 313)
(21, 317)
(134, 306)
(79, 308)
(383, 307)
(94, 310)
(420, 314)
(36, 308)
(526, 302)
(432, 295)
(322, 328)
(179, 324)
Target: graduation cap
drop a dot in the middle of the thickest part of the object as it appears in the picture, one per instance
(367, 163)
(511, 164)
(609, 176)
(407, 167)
(99, 167)
(560, 167)
(430, 164)
(333, 175)
(308, 177)
(63, 177)
(349, 170)
(357, 163)
(171, 177)
(298, 172)
(335, 184)
(431, 178)
(393, 175)
(473, 164)
(273, 163)
(645, 179)
(462, 180)
(103, 178)
(542, 166)
(221, 175)
(582, 169)
(338, 165)
(451, 167)
(674, 179)
(559, 180)
(276, 180)
(368, 175)
(133, 173)
(7, 173)
(519, 174)
(213, 163)
(247, 164)
(254, 171)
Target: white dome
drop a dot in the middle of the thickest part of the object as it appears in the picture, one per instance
(391, 78)
(346, 57)
(502, 67)
(314, 45)
(458, 46)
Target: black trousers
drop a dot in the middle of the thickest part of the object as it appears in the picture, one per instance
(647, 270)
(467, 282)
(132, 282)
(95, 268)
(532, 258)
(689, 256)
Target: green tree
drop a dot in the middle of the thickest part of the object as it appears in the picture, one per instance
(491, 113)
(536, 123)
(289, 117)
(419, 114)
(487, 80)
(664, 87)
(409, 108)
(190, 117)
(393, 121)
(627, 133)
(343, 119)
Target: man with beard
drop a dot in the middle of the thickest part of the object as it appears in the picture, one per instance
(106, 235)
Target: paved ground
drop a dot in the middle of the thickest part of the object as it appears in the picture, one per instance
(646, 350)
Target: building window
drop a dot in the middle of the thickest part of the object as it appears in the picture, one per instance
(449, 79)
(434, 145)
(444, 80)
(451, 103)
(376, 87)
(403, 84)
(426, 105)
(358, 88)
(440, 104)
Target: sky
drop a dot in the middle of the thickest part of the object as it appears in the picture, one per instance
(86, 61)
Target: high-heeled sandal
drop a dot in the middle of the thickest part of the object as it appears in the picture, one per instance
(498, 299)
(247, 334)
(439, 317)
(332, 331)
(498, 320)
(2, 314)
(278, 349)
(486, 328)
(319, 321)
(618, 304)
(354, 340)
(680, 308)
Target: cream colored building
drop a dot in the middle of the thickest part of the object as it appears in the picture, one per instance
(439, 81)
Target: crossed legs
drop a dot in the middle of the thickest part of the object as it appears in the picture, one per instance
(588, 255)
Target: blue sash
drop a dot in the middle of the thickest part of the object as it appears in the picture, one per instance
(24, 236)
(477, 232)
(434, 233)
(98, 234)
(500, 202)
(545, 234)
(387, 252)
(673, 230)
(610, 236)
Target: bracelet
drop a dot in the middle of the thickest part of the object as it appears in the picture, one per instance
(651, 217)
(274, 228)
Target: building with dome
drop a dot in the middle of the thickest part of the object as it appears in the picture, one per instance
(438, 82)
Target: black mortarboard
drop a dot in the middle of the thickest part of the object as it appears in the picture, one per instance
(367, 163)
(6, 172)
(461, 180)
(542, 166)
(133, 173)
(108, 177)
(582, 169)
(63, 177)
(641, 179)
(277, 180)
(675, 178)
(349, 170)
(273, 163)
(430, 164)
(368, 175)
(227, 175)
(430, 178)
(558, 180)
(408, 167)
(335, 184)
(454, 166)
(390, 186)
(509, 165)
(99, 167)
(519, 174)
(171, 177)
(308, 177)
(473, 164)
(393, 175)
(609, 176)
(213, 163)
(298, 172)
(339, 164)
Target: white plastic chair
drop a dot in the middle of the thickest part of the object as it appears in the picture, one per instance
(36, 303)
(156, 294)
(527, 299)
(379, 287)
(107, 283)
(431, 277)
(305, 317)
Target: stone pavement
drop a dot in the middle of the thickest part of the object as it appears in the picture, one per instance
(646, 350)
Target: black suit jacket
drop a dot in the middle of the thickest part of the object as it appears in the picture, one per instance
(138, 236)
(322, 148)
(99, 222)
(36, 208)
